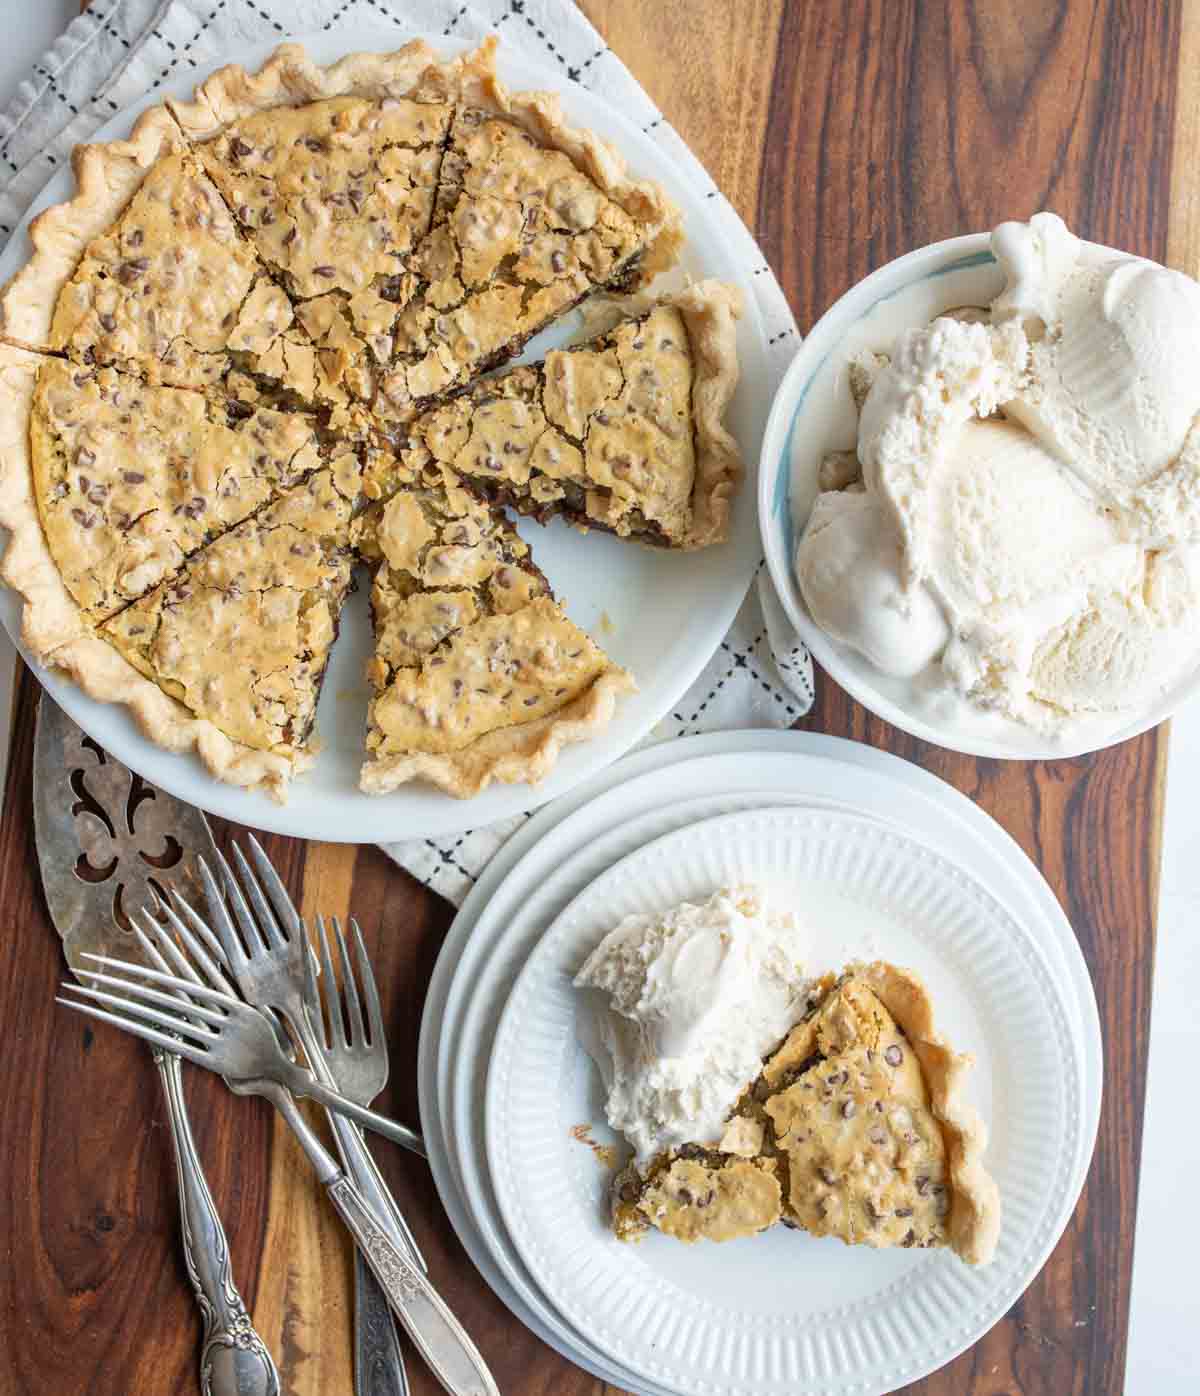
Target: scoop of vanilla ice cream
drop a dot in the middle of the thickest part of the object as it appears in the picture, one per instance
(1029, 509)
(1006, 526)
(1112, 387)
(940, 377)
(849, 567)
(1130, 643)
(694, 998)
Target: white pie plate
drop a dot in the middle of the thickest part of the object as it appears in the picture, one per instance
(718, 1319)
(659, 614)
(560, 850)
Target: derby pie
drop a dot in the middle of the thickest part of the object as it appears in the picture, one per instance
(246, 357)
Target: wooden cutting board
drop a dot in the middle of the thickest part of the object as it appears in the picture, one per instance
(846, 134)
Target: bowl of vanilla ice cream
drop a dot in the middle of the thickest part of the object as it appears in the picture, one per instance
(980, 494)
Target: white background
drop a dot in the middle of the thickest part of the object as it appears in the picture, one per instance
(1166, 1307)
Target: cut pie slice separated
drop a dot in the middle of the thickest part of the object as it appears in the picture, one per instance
(479, 675)
(623, 433)
(144, 270)
(334, 193)
(241, 635)
(130, 480)
(861, 1111)
(425, 221)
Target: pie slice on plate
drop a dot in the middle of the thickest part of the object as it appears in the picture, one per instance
(623, 433)
(144, 270)
(240, 636)
(425, 220)
(478, 673)
(859, 1116)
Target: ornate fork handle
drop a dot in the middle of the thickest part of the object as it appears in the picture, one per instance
(440, 1338)
(234, 1360)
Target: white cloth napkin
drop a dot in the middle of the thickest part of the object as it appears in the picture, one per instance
(761, 676)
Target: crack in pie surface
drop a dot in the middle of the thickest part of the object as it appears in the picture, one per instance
(622, 433)
(241, 303)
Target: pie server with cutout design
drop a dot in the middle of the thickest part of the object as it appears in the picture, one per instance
(108, 844)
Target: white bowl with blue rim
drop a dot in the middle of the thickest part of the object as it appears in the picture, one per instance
(813, 414)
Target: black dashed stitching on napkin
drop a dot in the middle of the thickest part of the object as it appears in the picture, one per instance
(271, 20)
(453, 20)
(337, 14)
(712, 693)
(517, 7)
(106, 27)
(775, 338)
(101, 25)
(181, 53)
(53, 86)
(658, 121)
(389, 13)
(576, 74)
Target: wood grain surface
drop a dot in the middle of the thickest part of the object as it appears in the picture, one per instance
(846, 133)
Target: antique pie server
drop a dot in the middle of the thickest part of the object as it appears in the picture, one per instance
(106, 843)
(79, 792)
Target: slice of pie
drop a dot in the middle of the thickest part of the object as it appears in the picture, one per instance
(859, 1115)
(144, 270)
(334, 194)
(241, 635)
(425, 221)
(478, 673)
(623, 433)
(131, 479)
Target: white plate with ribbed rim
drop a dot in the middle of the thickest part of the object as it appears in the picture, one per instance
(658, 613)
(562, 848)
(518, 911)
(464, 1117)
(718, 1319)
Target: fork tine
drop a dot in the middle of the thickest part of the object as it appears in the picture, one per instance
(251, 941)
(349, 987)
(151, 949)
(140, 994)
(312, 991)
(269, 879)
(370, 990)
(152, 1035)
(197, 991)
(197, 959)
(329, 991)
(206, 937)
(268, 927)
(159, 940)
(139, 1012)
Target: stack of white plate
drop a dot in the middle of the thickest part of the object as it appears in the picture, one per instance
(878, 859)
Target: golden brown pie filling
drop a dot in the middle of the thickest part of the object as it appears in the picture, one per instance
(254, 340)
(853, 1129)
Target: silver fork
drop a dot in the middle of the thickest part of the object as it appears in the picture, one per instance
(210, 1026)
(271, 961)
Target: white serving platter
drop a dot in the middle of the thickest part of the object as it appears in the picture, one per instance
(659, 614)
